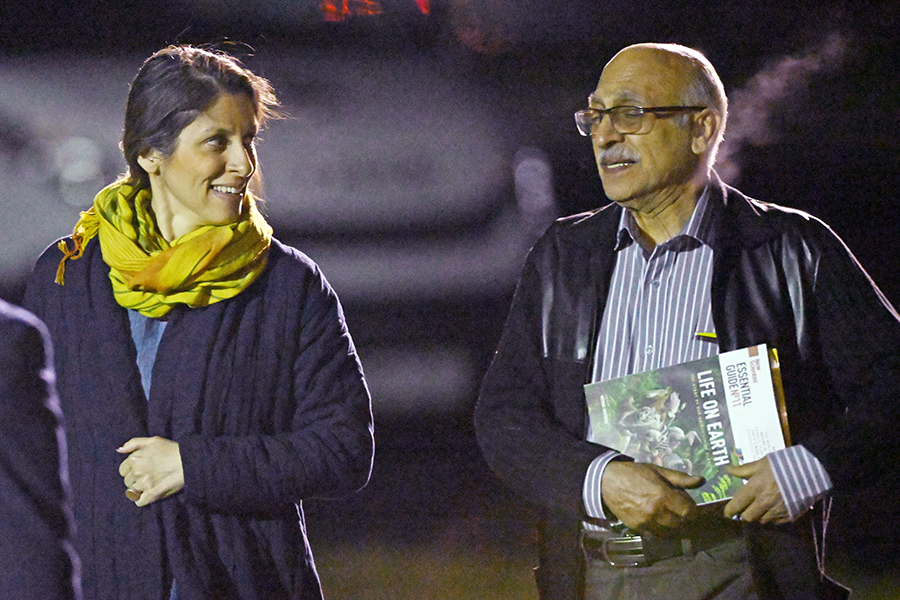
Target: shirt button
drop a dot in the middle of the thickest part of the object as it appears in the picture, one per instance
(649, 350)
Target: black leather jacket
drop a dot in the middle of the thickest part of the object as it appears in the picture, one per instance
(780, 277)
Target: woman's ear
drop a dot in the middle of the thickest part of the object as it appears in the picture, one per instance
(150, 161)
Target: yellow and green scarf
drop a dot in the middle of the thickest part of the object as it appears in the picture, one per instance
(152, 275)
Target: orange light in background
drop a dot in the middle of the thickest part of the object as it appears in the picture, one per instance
(340, 10)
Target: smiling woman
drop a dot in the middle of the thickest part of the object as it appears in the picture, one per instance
(204, 180)
(209, 380)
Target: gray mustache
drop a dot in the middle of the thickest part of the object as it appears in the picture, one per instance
(615, 155)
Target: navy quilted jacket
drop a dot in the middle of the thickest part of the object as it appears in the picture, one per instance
(265, 396)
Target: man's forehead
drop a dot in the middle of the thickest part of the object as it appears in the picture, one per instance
(617, 98)
(639, 77)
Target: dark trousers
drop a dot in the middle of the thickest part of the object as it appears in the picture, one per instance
(721, 573)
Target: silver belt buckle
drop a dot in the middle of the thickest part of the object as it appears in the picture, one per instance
(624, 551)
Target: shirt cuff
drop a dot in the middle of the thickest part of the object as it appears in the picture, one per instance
(801, 478)
(591, 494)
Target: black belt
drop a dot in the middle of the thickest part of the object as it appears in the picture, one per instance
(628, 549)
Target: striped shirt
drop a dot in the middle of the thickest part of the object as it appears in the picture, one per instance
(658, 302)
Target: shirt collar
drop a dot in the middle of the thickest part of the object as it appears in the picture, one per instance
(698, 227)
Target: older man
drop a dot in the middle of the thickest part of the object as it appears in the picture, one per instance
(625, 289)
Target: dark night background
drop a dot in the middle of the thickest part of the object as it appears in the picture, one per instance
(439, 137)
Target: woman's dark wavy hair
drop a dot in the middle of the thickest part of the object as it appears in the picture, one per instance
(172, 88)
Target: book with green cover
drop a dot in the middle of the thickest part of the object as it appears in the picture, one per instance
(697, 417)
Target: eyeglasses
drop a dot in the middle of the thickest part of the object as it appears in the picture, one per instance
(626, 119)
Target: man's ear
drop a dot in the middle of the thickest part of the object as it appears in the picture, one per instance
(150, 161)
(706, 123)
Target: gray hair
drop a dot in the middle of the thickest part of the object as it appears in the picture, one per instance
(704, 89)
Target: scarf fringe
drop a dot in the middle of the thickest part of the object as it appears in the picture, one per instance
(80, 237)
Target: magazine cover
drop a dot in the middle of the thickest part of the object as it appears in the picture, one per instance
(695, 417)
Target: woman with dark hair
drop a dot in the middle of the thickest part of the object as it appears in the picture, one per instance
(204, 368)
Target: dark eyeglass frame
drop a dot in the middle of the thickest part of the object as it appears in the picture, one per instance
(586, 118)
